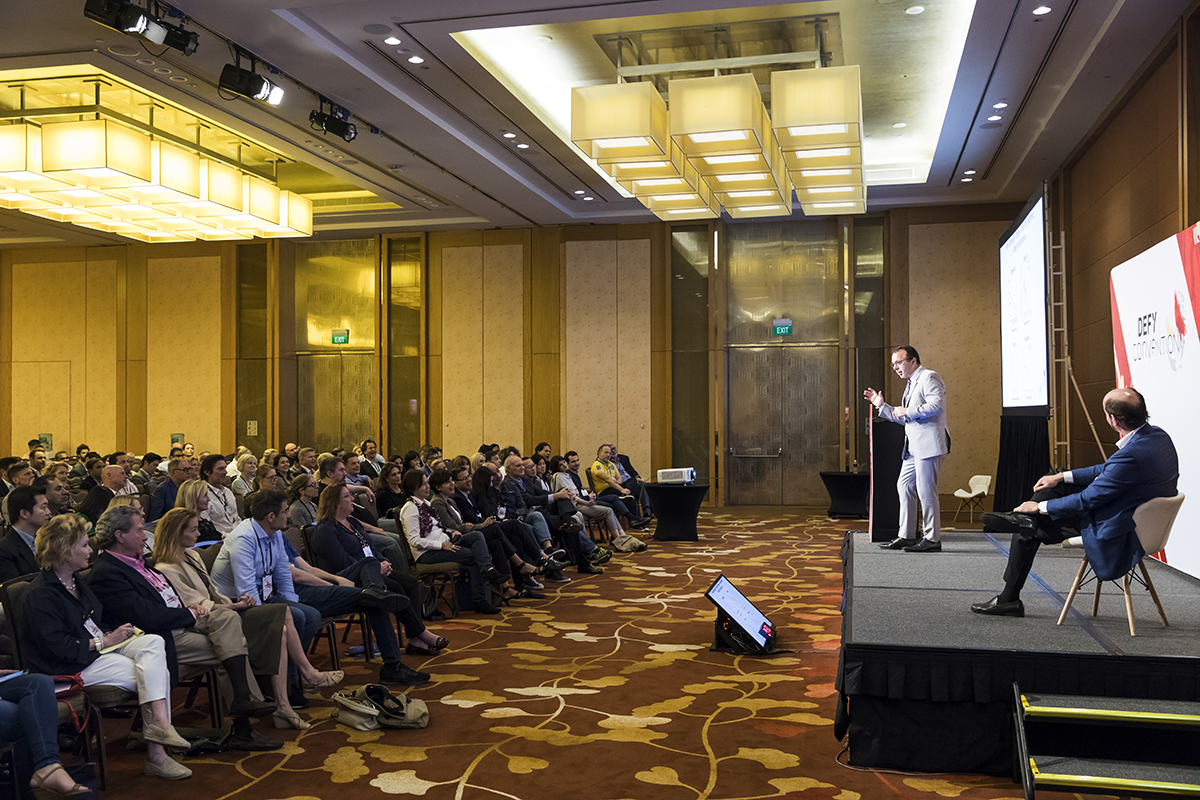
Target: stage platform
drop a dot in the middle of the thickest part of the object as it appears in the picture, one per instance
(927, 683)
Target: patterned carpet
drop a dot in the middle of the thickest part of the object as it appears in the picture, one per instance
(607, 690)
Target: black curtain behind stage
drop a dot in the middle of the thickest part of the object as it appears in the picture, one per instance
(1024, 457)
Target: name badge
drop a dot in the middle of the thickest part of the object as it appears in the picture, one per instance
(268, 587)
(170, 598)
(92, 628)
(500, 512)
(367, 551)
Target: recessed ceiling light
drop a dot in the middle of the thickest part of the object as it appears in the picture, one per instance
(999, 105)
(579, 191)
(968, 172)
(899, 124)
(994, 118)
(510, 135)
(543, 38)
(967, 180)
(522, 146)
(589, 197)
(416, 60)
(392, 40)
(1042, 10)
(914, 10)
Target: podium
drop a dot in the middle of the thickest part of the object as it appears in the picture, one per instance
(887, 450)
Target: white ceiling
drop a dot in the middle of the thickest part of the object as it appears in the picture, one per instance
(440, 152)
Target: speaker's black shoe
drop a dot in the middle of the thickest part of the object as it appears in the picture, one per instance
(1008, 522)
(924, 546)
(899, 543)
(994, 608)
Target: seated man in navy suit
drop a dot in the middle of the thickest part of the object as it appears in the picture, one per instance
(1097, 502)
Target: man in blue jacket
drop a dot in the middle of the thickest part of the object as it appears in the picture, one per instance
(1097, 502)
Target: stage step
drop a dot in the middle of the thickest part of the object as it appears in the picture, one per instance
(1108, 744)
(1134, 777)
(1110, 709)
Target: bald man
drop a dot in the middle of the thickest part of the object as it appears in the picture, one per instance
(1097, 502)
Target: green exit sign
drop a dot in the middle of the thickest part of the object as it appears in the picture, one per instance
(783, 327)
(341, 336)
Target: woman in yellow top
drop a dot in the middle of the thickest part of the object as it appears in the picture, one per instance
(270, 634)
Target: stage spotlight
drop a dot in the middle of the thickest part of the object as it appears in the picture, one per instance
(120, 15)
(250, 84)
(331, 124)
(182, 40)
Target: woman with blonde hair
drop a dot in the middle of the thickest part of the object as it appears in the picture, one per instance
(62, 636)
(270, 634)
(246, 465)
(193, 495)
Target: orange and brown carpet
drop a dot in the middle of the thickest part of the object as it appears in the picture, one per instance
(605, 690)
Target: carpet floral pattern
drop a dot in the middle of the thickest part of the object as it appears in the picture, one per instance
(606, 689)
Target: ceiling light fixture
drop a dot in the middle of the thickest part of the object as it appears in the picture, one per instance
(967, 180)
(589, 197)
(178, 38)
(120, 15)
(248, 83)
(510, 135)
(416, 60)
(968, 172)
(522, 146)
(899, 124)
(1042, 10)
(995, 118)
(580, 191)
(392, 40)
(914, 10)
(999, 105)
(337, 122)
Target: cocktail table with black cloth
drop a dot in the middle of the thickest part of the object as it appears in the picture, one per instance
(676, 506)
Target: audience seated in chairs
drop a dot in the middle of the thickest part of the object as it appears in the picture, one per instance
(57, 496)
(30, 512)
(372, 459)
(164, 497)
(484, 501)
(283, 465)
(559, 477)
(432, 545)
(302, 500)
(604, 477)
(306, 463)
(194, 496)
(146, 477)
(125, 462)
(135, 593)
(243, 481)
(63, 631)
(19, 474)
(91, 477)
(29, 718)
(112, 478)
(388, 491)
(519, 497)
(264, 478)
(340, 545)
(221, 508)
(271, 637)
(257, 559)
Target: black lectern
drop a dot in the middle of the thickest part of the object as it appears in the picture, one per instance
(887, 447)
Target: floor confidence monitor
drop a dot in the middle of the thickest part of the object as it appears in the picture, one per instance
(1024, 357)
(740, 627)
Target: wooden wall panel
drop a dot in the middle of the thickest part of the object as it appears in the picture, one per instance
(462, 349)
(954, 312)
(591, 349)
(183, 353)
(633, 430)
(101, 353)
(1125, 190)
(503, 364)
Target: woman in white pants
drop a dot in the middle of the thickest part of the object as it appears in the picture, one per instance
(61, 636)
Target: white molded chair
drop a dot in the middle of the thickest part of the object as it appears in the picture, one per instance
(1152, 522)
(973, 498)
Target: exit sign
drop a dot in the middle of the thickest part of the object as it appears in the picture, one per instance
(783, 327)
(341, 336)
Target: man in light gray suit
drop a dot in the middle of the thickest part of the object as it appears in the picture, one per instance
(922, 412)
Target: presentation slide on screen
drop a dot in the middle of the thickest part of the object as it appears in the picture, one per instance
(726, 596)
(1154, 297)
(1023, 314)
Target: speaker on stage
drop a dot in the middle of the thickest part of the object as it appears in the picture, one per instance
(887, 451)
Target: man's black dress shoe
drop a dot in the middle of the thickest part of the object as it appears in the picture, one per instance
(896, 544)
(1008, 522)
(255, 742)
(925, 546)
(994, 608)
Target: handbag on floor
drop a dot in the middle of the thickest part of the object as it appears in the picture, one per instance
(372, 706)
(628, 544)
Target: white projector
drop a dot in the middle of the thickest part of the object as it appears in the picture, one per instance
(684, 475)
